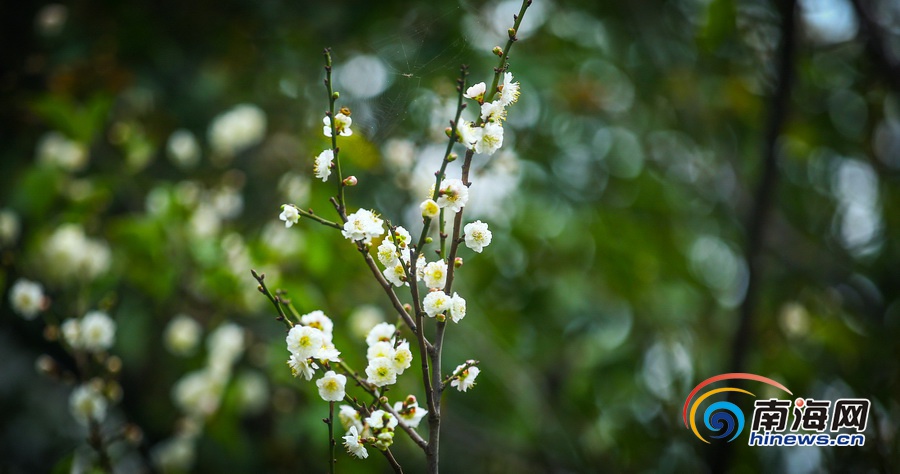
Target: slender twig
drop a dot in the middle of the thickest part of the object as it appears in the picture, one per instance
(95, 440)
(260, 278)
(330, 421)
(388, 288)
(309, 214)
(392, 461)
(332, 98)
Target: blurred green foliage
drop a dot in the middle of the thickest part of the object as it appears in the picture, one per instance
(618, 265)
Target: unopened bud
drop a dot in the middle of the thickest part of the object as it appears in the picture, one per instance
(448, 131)
(114, 364)
(458, 262)
(383, 400)
(441, 318)
(452, 157)
(497, 50)
(428, 240)
(51, 333)
(335, 95)
(133, 434)
(350, 181)
(407, 307)
(512, 33)
(45, 365)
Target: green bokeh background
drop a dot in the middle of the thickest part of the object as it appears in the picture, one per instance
(618, 265)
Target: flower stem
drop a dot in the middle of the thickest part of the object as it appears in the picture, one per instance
(334, 148)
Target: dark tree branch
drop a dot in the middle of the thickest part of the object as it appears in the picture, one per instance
(764, 197)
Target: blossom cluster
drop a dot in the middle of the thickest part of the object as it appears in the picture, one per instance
(94, 332)
(486, 135)
(387, 356)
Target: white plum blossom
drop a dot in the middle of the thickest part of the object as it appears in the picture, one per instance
(341, 125)
(304, 341)
(226, 344)
(381, 372)
(10, 226)
(380, 419)
(478, 236)
(97, 331)
(176, 454)
(429, 208)
(493, 112)
(87, 404)
(354, 445)
(436, 274)
(71, 331)
(469, 134)
(457, 307)
(387, 254)
(26, 298)
(70, 254)
(453, 195)
(381, 332)
(182, 335)
(380, 349)
(289, 215)
(476, 92)
(302, 367)
(199, 393)
(322, 166)
(57, 150)
(328, 353)
(436, 302)
(331, 386)
(183, 149)
(320, 321)
(466, 379)
(509, 90)
(363, 225)
(402, 357)
(237, 129)
(396, 274)
(410, 412)
(402, 236)
(491, 139)
(349, 417)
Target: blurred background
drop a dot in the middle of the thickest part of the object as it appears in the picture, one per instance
(686, 188)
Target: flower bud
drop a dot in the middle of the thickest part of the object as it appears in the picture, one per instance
(114, 364)
(512, 33)
(335, 95)
(441, 317)
(452, 157)
(458, 262)
(497, 51)
(46, 365)
(448, 131)
(51, 332)
(133, 434)
(428, 240)
(350, 181)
